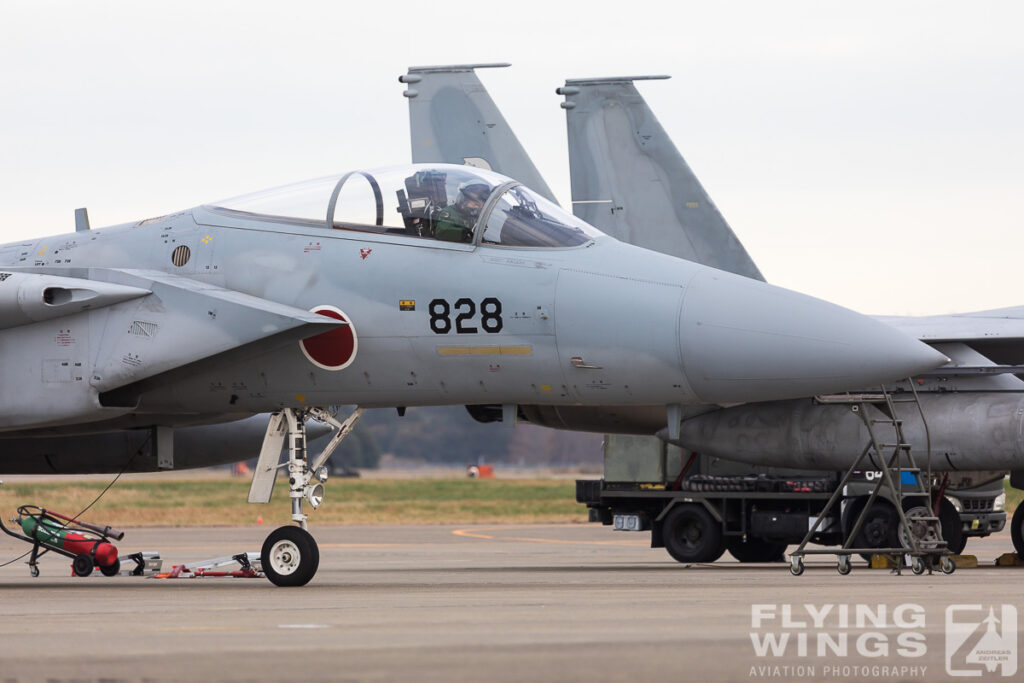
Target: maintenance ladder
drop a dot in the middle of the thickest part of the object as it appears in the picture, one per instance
(922, 537)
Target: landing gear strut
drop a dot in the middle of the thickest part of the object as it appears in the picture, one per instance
(290, 555)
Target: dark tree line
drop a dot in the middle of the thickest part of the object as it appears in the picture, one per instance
(448, 435)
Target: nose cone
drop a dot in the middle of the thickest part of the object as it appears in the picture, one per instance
(744, 340)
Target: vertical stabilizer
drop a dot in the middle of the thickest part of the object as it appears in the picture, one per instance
(453, 120)
(81, 220)
(629, 180)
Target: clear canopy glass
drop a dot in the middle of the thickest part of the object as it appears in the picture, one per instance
(432, 201)
(303, 202)
(523, 218)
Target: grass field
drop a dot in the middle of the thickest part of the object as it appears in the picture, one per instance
(222, 502)
(1013, 497)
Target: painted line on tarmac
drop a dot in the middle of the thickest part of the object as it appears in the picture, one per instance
(362, 545)
(220, 547)
(477, 533)
(207, 628)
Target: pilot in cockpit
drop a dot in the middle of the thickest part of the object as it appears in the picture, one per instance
(455, 222)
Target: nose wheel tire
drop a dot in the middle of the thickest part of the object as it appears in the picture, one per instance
(290, 556)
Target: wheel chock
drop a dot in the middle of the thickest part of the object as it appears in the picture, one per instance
(965, 561)
(1009, 560)
(883, 562)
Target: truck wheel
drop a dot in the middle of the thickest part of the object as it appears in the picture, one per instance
(692, 535)
(756, 550)
(958, 549)
(952, 527)
(879, 529)
(1017, 530)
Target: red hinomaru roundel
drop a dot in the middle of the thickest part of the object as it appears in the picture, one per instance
(335, 349)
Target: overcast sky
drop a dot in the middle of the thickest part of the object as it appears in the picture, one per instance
(867, 153)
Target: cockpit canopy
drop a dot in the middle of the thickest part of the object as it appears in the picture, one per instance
(442, 202)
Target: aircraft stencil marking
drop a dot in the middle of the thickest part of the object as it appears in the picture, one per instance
(490, 316)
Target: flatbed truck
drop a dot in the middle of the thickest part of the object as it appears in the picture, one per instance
(697, 507)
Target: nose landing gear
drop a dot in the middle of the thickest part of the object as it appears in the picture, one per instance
(290, 555)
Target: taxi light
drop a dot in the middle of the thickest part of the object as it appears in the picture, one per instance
(315, 495)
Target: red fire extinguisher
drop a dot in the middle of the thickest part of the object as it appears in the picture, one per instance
(81, 543)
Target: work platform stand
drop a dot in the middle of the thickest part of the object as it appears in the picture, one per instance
(918, 528)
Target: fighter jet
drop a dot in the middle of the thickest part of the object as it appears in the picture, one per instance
(423, 284)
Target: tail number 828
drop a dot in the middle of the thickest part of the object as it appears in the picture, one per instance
(465, 311)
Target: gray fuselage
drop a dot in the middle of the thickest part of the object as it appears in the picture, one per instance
(443, 323)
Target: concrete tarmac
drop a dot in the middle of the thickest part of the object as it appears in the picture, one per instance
(491, 603)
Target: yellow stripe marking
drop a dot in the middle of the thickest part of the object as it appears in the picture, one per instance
(485, 350)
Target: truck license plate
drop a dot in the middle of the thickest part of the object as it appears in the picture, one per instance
(628, 523)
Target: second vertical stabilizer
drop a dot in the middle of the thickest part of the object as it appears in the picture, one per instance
(629, 180)
(453, 120)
